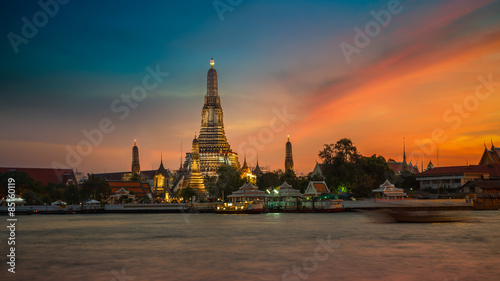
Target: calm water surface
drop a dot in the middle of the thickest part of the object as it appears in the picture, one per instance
(251, 247)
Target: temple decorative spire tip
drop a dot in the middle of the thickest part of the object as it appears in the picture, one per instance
(212, 62)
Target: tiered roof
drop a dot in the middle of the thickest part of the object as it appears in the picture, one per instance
(388, 189)
(140, 189)
(490, 156)
(248, 190)
(316, 188)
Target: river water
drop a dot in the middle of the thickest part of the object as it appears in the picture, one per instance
(339, 246)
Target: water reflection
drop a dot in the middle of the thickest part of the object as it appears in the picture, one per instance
(252, 247)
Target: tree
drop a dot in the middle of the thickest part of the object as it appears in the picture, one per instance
(95, 186)
(271, 179)
(407, 181)
(32, 198)
(350, 171)
(211, 186)
(187, 193)
(71, 194)
(228, 180)
(343, 151)
(22, 180)
(340, 160)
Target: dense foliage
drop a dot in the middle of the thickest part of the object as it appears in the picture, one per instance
(347, 170)
(35, 193)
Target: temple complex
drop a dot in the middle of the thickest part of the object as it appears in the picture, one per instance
(214, 149)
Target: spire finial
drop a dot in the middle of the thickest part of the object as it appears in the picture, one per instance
(492, 145)
(288, 137)
(212, 62)
(135, 142)
(161, 157)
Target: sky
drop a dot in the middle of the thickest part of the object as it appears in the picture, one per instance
(372, 71)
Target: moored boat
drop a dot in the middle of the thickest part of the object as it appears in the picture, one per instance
(248, 207)
(329, 206)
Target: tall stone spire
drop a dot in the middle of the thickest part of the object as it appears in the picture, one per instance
(136, 168)
(213, 145)
(288, 156)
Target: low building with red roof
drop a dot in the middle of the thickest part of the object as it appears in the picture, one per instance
(456, 176)
(46, 175)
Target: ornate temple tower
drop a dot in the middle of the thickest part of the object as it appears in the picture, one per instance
(195, 177)
(246, 173)
(288, 156)
(136, 168)
(214, 148)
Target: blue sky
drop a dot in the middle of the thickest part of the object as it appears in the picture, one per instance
(269, 54)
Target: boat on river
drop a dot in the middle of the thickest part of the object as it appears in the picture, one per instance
(248, 207)
(323, 206)
(419, 216)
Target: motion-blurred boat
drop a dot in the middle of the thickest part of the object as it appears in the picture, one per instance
(390, 215)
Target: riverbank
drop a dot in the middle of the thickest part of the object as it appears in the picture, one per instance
(370, 204)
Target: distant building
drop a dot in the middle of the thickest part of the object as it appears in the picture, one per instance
(195, 177)
(162, 183)
(456, 176)
(490, 156)
(387, 190)
(399, 167)
(318, 171)
(115, 198)
(257, 171)
(288, 156)
(429, 166)
(284, 197)
(46, 175)
(247, 192)
(139, 189)
(481, 186)
(247, 174)
(316, 188)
